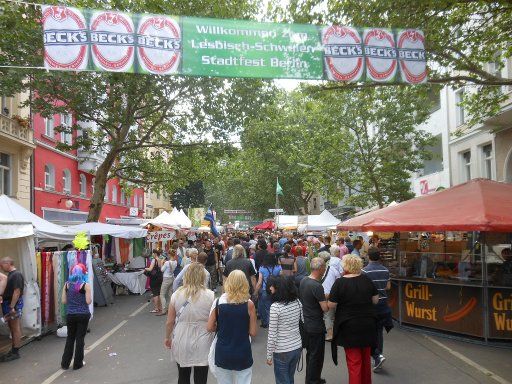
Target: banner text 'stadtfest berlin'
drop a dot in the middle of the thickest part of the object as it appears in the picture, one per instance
(83, 39)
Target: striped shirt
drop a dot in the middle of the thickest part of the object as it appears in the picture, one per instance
(379, 274)
(283, 329)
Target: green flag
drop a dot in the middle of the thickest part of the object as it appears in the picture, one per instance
(279, 190)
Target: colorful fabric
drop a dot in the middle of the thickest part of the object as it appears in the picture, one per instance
(124, 250)
(138, 247)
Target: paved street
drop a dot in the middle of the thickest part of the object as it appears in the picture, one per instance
(135, 337)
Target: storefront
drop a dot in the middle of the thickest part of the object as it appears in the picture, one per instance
(452, 265)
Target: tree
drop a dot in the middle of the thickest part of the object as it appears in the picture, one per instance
(189, 197)
(152, 129)
(371, 143)
(467, 41)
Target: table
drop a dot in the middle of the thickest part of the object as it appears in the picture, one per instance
(134, 281)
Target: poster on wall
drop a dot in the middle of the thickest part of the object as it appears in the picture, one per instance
(107, 40)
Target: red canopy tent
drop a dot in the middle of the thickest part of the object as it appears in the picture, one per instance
(267, 225)
(478, 205)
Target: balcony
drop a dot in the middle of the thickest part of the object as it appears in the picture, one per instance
(12, 130)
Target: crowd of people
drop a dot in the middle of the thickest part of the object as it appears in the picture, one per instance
(304, 290)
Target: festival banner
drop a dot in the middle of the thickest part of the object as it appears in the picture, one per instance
(83, 39)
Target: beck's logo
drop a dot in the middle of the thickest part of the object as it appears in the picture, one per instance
(159, 44)
(411, 56)
(380, 54)
(64, 27)
(343, 53)
(112, 41)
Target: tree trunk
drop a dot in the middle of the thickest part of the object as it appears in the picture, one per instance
(100, 184)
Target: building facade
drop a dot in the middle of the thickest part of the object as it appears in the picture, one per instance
(16, 148)
(467, 152)
(156, 202)
(64, 180)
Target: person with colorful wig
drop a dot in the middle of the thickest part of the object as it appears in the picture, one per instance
(77, 295)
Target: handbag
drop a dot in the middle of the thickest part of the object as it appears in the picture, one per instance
(211, 353)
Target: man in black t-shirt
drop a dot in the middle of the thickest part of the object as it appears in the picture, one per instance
(314, 304)
(12, 305)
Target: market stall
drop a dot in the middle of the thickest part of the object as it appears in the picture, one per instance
(452, 266)
(120, 244)
(49, 269)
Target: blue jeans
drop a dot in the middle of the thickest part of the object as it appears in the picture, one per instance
(264, 304)
(285, 364)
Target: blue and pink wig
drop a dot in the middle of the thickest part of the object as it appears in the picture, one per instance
(78, 276)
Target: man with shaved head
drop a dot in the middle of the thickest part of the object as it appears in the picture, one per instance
(12, 305)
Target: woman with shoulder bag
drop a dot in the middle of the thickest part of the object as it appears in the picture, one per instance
(186, 334)
(233, 316)
(268, 270)
(168, 269)
(154, 273)
(284, 344)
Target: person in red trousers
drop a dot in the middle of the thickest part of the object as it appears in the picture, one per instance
(355, 326)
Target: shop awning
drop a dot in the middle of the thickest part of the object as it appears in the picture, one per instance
(111, 230)
(267, 225)
(478, 205)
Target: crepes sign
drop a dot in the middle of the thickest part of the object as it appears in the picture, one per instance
(83, 39)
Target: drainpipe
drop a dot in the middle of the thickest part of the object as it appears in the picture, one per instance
(32, 160)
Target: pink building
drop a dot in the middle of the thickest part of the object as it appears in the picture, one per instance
(64, 181)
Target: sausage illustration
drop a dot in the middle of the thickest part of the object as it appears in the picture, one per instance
(459, 314)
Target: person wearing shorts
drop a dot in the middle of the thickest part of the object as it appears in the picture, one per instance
(12, 305)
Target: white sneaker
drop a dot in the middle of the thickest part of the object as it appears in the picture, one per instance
(378, 362)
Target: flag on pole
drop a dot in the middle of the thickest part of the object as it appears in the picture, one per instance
(279, 190)
(210, 216)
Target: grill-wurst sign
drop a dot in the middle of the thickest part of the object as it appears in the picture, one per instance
(455, 308)
(82, 39)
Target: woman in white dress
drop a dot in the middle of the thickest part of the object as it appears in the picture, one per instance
(186, 335)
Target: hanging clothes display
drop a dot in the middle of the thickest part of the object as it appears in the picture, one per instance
(53, 273)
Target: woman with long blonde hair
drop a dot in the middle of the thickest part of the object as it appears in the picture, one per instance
(186, 334)
(233, 316)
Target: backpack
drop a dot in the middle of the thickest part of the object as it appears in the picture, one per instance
(269, 280)
(178, 268)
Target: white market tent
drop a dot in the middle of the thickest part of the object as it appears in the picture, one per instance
(186, 222)
(124, 232)
(319, 223)
(17, 232)
(165, 220)
(11, 211)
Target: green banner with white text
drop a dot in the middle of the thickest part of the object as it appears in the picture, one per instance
(82, 39)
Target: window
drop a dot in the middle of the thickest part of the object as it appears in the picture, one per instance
(135, 200)
(4, 106)
(83, 185)
(48, 127)
(66, 121)
(66, 181)
(435, 99)
(49, 177)
(141, 203)
(460, 114)
(487, 161)
(5, 174)
(435, 164)
(106, 193)
(123, 197)
(93, 181)
(114, 194)
(466, 165)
